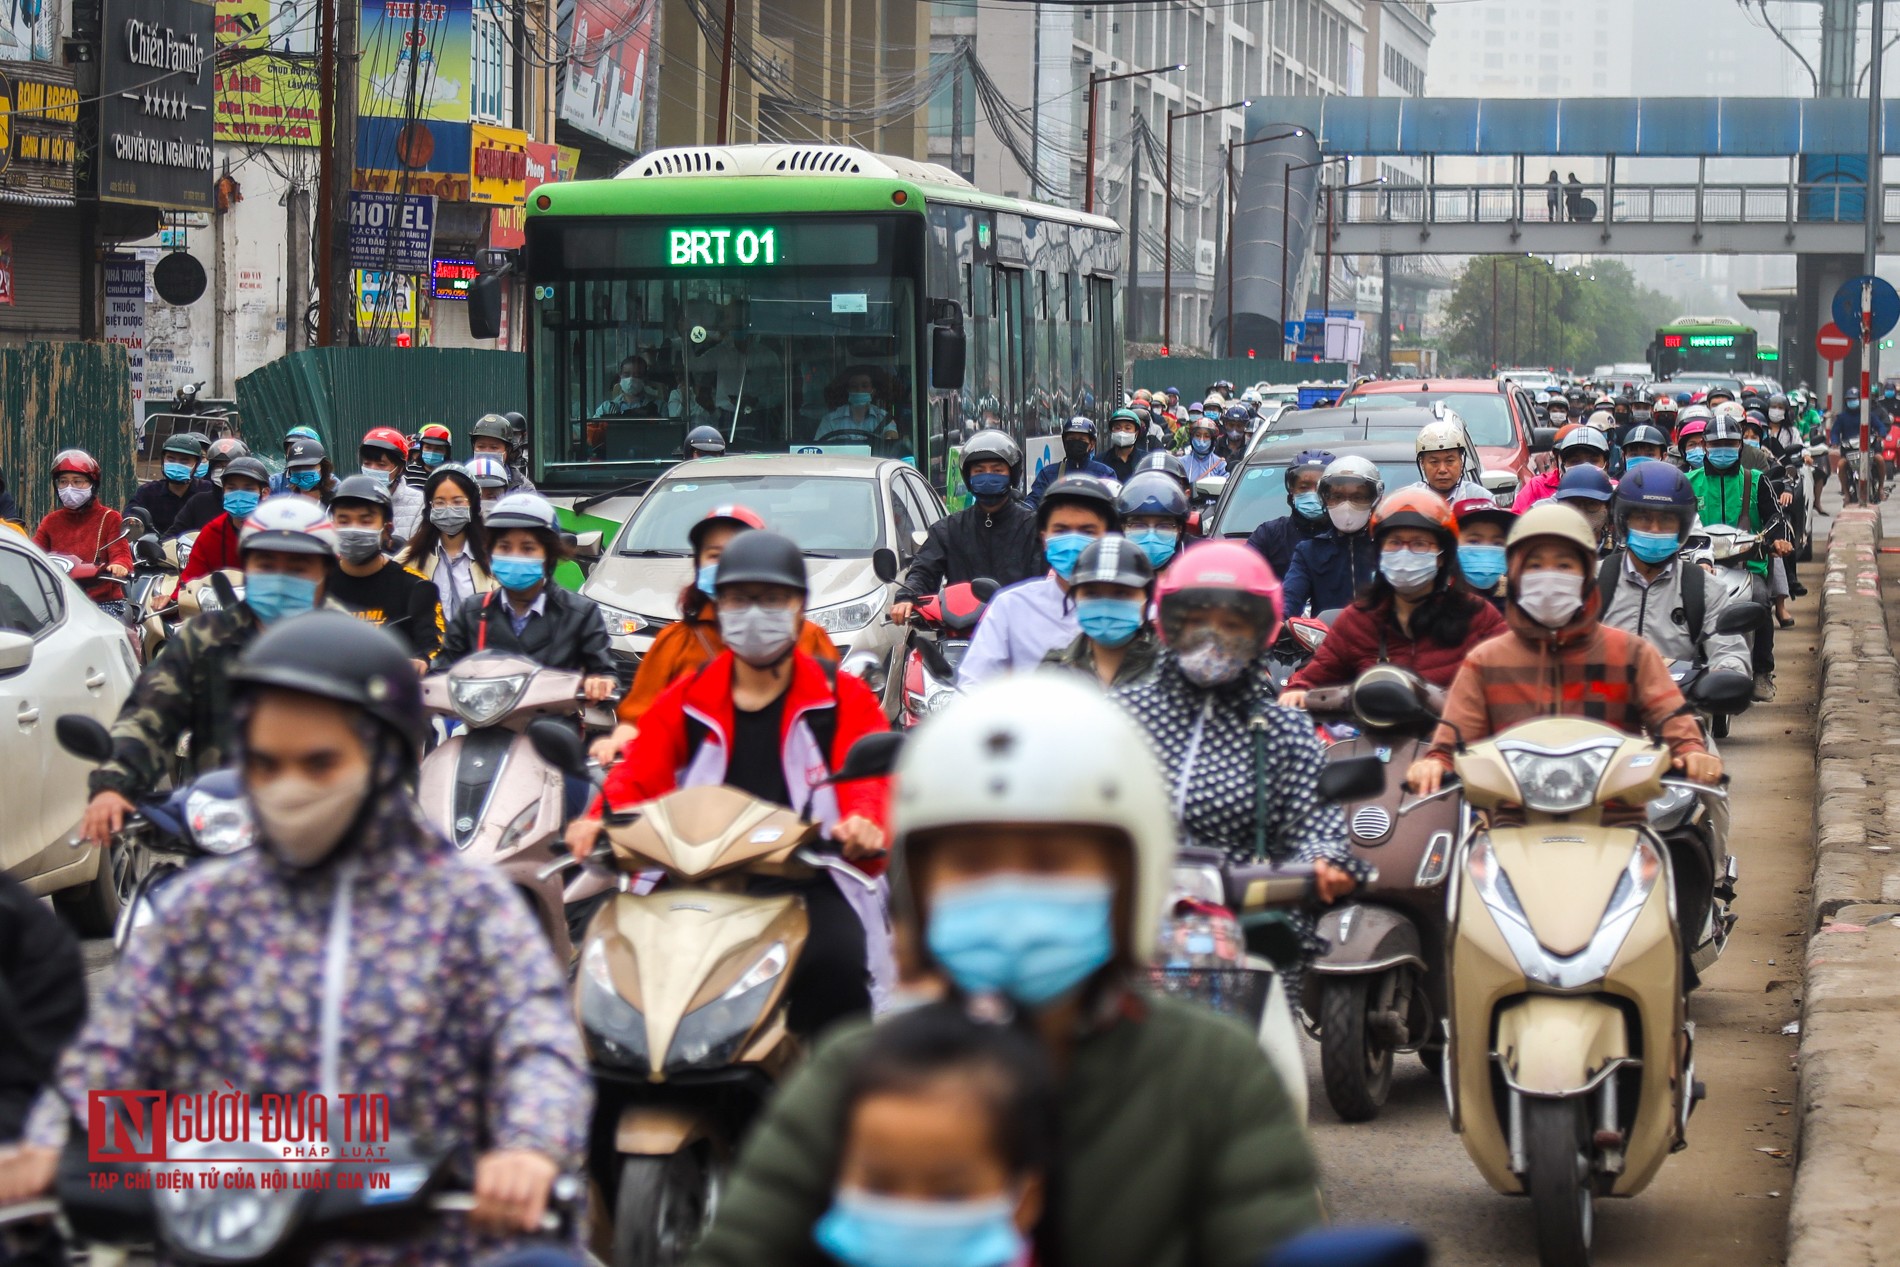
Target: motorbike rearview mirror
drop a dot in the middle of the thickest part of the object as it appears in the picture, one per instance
(84, 736)
(984, 588)
(1543, 439)
(1740, 618)
(149, 549)
(1354, 779)
(1724, 691)
(559, 744)
(884, 564)
(1389, 701)
(872, 757)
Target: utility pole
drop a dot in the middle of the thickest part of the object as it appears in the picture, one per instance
(1494, 314)
(297, 261)
(326, 176)
(725, 73)
(1872, 212)
(1385, 315)
(1131, 320)
(956, 107)
(337, 316)
(1516, 273)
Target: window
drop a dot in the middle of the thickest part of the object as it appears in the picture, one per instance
(904, 522)
(29, 596)
(489, 63)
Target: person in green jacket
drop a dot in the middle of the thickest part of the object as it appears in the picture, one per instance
(1729, 493)
(1033, 854)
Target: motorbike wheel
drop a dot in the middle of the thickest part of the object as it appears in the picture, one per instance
(1558, 1180)
(1355, 1066)
(664, 1206)
(93, 908)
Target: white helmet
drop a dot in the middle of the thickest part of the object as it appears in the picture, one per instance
(1730, 409)
(1437, 437)
(1353, 467)
(1039, 748)
(1602, 420)
(522, 510)
(289, 523)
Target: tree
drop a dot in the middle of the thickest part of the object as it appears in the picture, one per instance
(1518, 310)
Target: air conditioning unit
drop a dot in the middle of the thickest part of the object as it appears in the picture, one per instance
(1204, 257)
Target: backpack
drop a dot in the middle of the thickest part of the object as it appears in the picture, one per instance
(823, 721)
(1695, 598)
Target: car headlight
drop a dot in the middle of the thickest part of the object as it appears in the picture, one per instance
(620, 622)
(869, 668)
(844, 617)
(218, 825)
(616, 1032)
(214, 1224)
(711, 1035)
(1558, 782)
(481, 700)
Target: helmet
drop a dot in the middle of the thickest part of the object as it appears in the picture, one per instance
(1169, 465)
(1079, 490)
(1203, 423)
(493, 427)
(370, 490)
(1415, 508)
(1554, 519)
(1478, 509)
(1079, 425)
(1754, 418)
(1114, 560)
(705, 440)
(199, 438)
(223, 450)
(301, 433)
(1601, 420)
(1093, 768)
(1643, 433)
(1353, 467)
(488, 471)
(1584, 483)
(291, 525)
(250, 468)
(1584, 438)
(762, 557)
(994, 445)
(1227, 573)
(1727, 408)
(75, 462)
(1307, 460)
(1723, 428)
(183, 443)
(1691, 427)
(740, 515)
(1197, 408)
(1152, 493)
(386, 440)
(1656, 486)
(521, 510)
(303, 453)
(1237, 413)
(1125, 414)
(435, 433)
(1777, 401)
(1439, 437)
(1664, 402)
(518, 423)
(335, 656)
(450, 470)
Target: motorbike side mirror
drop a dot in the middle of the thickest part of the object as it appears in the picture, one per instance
(1740, 618)
(984, 588)
(1543, 439)
(1354, 779)
(872, 757)
(149, 549)
(559, 744)
(1725, 691)
(884, 564)
(84, 736)
(1389, 703)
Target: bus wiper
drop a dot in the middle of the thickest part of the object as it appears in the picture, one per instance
(638, 486)
(819, 554)
(653, 554)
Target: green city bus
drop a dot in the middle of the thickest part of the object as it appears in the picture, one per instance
(1703, 345)
(802, 298)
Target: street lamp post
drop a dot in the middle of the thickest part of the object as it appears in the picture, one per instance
(1233, 205)
(1088, 140)
(1286, 201)
(1167, 219)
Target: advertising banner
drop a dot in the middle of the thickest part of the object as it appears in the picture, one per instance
(266, 88)
(546, 165)
(155, 107)
(608, 49)
(125, 319)
(39, 113)
(391, 233)
(6, 269)
(413, 92)
(498, 165)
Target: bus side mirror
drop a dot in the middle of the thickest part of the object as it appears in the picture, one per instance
(946, 358)
(484, 307)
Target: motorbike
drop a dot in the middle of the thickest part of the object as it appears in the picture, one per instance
(1380, 987)
(151, 592)
(1570, 1062)
(1298, 639)
(682, 992)
(941, 626)
(487, 789)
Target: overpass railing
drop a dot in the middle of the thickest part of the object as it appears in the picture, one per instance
(1806, 203)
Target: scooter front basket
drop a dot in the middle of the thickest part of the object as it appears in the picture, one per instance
(1237, 992)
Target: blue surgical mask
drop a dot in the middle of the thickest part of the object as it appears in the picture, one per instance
(863, 1229)
(1653, 547)
(1308, 505)
(1159, 546)
(177, 472)
(703, 582)
(1635, 460)
(1752, 442)
(1694, 457)
(304, 480)
(989, 484)
(204, 469)
(515, 572)
(1062, 552)
(240, 505)
(1032, 938)
(858, 400)
(431, 458)
(1113, 622)
(1201, 445)
(377, 472)
(1483, 566)
(1722, 459)
(272, 596)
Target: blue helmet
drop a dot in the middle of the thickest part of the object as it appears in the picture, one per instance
(1585, 483)
(1655, 486)
(1315, 460)
(1152, 493)
(1079, 425)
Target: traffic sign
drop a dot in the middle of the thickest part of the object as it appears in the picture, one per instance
(1832, 344)
(1846, 307)
(1295, 331)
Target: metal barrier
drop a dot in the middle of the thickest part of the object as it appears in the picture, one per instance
(1825, 202)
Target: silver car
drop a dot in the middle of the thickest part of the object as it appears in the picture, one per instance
(840, 510)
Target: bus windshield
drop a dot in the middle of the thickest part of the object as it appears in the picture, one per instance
(797, 333)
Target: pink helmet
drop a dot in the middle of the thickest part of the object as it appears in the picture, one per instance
(1220, 573)
(1691, 428)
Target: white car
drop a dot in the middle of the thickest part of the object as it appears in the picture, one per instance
(58, 654)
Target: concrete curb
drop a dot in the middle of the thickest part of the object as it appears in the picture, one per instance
(1843, 1214)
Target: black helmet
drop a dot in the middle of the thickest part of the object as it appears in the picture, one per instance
(335, 656)
(1722, 427)
(1114, 560)
(517, 421)
(1169, 465)
(1152, 493)
(1643, 433)
(493, 427)
(1237, 413)
(762, 558)
(1079, 490)
(705, 440)
(369, 490)
(995, 445)
(185, 442)
(249, 468)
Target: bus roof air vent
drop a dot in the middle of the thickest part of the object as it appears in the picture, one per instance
(789, 160)
(684, 160)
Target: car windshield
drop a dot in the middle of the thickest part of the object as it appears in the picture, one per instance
(1486, 416)
(834, 516)
(1260, 495)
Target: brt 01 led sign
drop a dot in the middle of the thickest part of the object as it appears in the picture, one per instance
(713, 247)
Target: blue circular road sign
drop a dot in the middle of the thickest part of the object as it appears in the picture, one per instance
(1847, 307)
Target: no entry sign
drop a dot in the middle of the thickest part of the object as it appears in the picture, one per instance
(1832, 343)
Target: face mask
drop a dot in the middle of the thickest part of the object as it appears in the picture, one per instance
(1201, 445)
(1558, 417)
(239, 505)
(1550, 598)
(177, 472)
(358, 545)
(761, 636)
(1640, 415)
(1308, 505)
(304, 480)
(1349, 518)
(74, 498)
(1208, 658)
(1776, 415)
(858, 400)
(1159, 546)
(1653, 547)
(989, 485)
(1723, 459)
(628, 383)
(1122, 439)
(1113, 622)
(1064, 550)
(304, 821)
(1634, 460)
(1752, 442)
(865, 1230)
(1693, 457)
(703, 580)
(272, 596)
(378, 473)
(451, 520)
(204, 469)
(431, 458)
(1407, 570)
(517, 573)
(1076, 450)
(1033, 939)
(1482, 566)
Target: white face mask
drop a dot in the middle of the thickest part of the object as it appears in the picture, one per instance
(1349, 518)
(761, 636)
(304, 822)
(1776, 415)
(1551, 599)
(1122, 439)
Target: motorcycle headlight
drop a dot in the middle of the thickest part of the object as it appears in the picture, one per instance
(516, 828)
(215, 1224)
(218, 825)
(208, 600)
(1557, 782)
(869, 668)
(1633, 889)
(616, 1032)
(845, 617)
(1311, 635)
(479, 701)
(620, 622)
(711, 1035)
(1203, 884)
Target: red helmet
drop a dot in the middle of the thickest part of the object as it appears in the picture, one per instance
(1478, 509)
(1220, 573)
(435, 433)
(740, 515)
(387, 438)
(75, 462)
